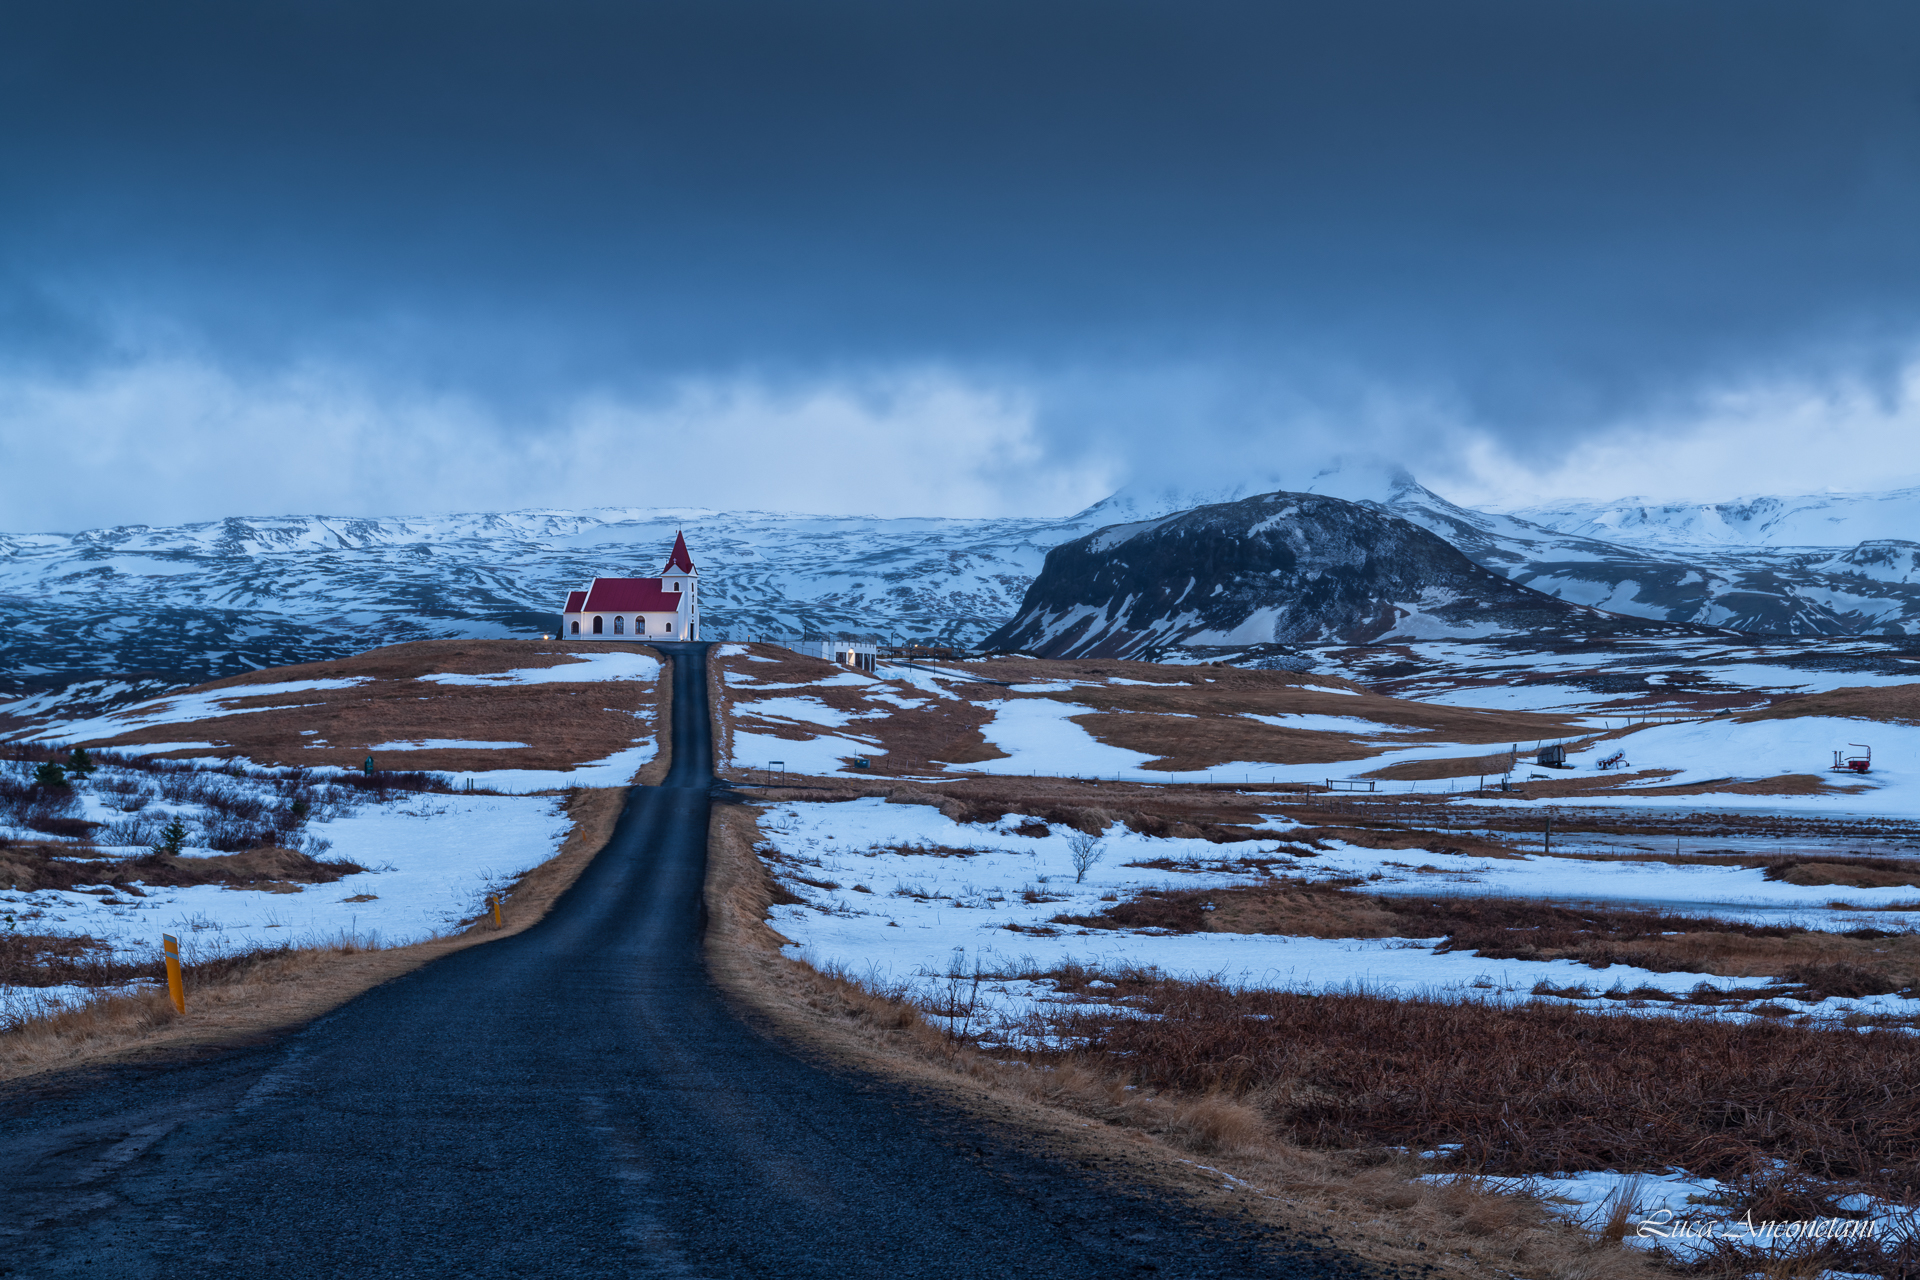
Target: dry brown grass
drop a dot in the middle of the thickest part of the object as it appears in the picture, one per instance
(563, 724)
(1368, 1201)
(1898, 703)
(1812, 964)
(58, 959)
(1855, 873)
(1786, 784)
(31, 867)
(1529, 1089)
(251, 998)
(1487, 767)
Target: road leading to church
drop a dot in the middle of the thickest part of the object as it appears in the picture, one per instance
(576, 1100)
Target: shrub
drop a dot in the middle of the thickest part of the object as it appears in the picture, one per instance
(1085, 851)
(172, 837)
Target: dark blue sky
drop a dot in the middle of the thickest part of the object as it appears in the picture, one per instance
(1525, 225)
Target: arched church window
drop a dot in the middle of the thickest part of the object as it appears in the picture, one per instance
(576, 626)
(619, 626)
(598, 621)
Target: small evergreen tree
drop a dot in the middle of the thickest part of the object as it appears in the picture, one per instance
(171, 838)
(50, 775)
(79, 763)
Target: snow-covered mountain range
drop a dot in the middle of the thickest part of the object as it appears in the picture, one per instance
(1861, 581)
(1815, 520)
(192, 602)
(198, 601)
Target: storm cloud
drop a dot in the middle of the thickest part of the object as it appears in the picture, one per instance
(1033, 247)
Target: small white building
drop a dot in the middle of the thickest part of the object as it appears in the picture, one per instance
(860, 654)
(662, 608)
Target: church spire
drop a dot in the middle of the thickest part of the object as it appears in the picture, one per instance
(679, 559)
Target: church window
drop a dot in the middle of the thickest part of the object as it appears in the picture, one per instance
(576, 626)
(619, 626)
(598, 621)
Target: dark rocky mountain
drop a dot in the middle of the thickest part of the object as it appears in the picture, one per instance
(1733, 565)
(1285, 568)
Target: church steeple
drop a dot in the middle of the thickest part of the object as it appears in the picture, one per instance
(682, 578)
(679, 559)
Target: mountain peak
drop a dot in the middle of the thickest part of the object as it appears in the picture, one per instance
(1276, 568)
(1369, 480)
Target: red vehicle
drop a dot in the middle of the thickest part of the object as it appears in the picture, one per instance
(1862, 763)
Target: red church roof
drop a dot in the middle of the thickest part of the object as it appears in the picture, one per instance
(574, 600)
(629, 595)
(679, 559)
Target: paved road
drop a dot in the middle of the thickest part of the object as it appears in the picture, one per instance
(576, 1100)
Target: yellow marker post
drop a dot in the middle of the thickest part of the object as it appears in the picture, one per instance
(493, 901)
(174, 988)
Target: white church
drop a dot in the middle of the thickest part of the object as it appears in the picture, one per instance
(664, 608)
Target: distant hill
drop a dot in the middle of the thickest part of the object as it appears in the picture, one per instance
(1682, 563)
(1286, 568)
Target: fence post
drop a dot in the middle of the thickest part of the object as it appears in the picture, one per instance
(171, 945)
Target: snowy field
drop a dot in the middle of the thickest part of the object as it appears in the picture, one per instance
(1724, 750)
(1039, 738)
(1673, 674)
(430, 859)
(1037, 735)
(186, 708)
(830, 740)
(907, 908)
(964, 916)
(615, 769)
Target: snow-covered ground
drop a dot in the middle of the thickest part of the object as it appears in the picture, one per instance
(582, 668)
(1038, 735)
(1672, 673)
(964, 916)
(430, 859)
(1040, 738)
(615, 769)
(908, 908)
(428, 856)
(185, 708)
